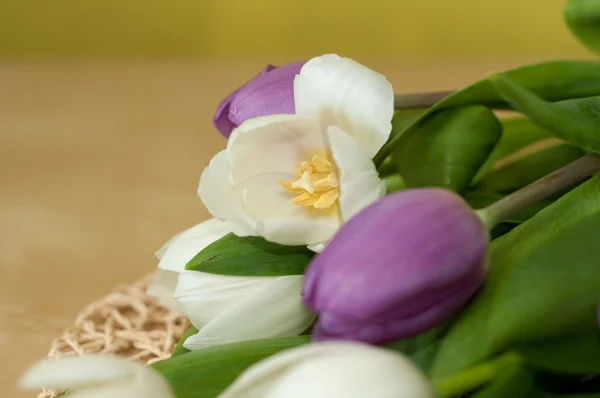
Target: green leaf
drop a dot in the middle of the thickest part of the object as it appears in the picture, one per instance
(554, 81)
(578, 354)
(404, 118)
(207, 372)
(250, 256)
(179, 348)
(574, 120)
(583, 18)
(448, 148)
(523, 381)
(543, 283)
(518, 134)
(423, 347)
(517, 382)
(524, 170)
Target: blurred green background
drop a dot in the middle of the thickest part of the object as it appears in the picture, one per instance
(288, 28)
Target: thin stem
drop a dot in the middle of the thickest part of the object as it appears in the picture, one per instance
(419, 100)
(471, 378)
(540, 189)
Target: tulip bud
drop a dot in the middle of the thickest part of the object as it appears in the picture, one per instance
(333, 369)
(269, 93)
(403, 265)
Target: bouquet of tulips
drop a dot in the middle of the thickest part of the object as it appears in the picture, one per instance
(372, 245)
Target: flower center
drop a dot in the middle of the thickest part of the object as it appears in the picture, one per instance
(317, 186)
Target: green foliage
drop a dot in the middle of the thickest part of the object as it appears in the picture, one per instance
(526, 169)
(583, 18)
(543, 284)
(250, 256)
(517, 134)
(574, 120)
(179, 348)
(553, 81)
(207, 372)
(448, 148)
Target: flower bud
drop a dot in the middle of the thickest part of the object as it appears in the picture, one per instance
(333, 369)
(269, 93)
(403, 265)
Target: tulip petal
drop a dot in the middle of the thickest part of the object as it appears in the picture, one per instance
(360, 184)
(163, 288)
(220, 198)
(161, 252)
(74, 371)
(204, 296)
(278, 220)
(344, 93)
(270, 94)
(276, 310)
(273, 144)
(222, 119)
(295, 231)
(326, 370)
(191, 242)
(97, 376)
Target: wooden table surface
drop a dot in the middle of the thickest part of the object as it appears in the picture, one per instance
(99, 165)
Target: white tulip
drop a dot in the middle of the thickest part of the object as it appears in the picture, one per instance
(97, 376)
(332, 370)
(226, 309)
(294, 179)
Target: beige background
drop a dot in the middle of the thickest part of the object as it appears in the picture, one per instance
(99, 164)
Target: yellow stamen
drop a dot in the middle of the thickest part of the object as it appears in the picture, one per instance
(306, 199)
(318, 184)
(327, 199)
(305, 166)
(325, 184)
(287, 185)
(321, 165)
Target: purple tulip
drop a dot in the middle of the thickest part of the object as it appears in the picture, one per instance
(269, 93)
(403, 265)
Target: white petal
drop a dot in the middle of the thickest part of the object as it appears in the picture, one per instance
(191, 242)
(97, 376)
(204, 296)
(317, 247)
(273, 144)
(263, 197)
(278, 220)
(333, 369)
(297, 231)
(276, 310)
(344, 93)
(163, 288)
(360, 184)
(220, 198)
(161, 252)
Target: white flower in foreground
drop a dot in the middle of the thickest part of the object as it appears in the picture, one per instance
(223, 308)
(97, 376)
(294, 179)
(332, 370)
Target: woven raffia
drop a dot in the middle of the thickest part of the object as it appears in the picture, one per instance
(126, 322)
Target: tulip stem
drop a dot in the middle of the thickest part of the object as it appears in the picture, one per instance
(419, 100)
(473, 377)
(541, 189)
